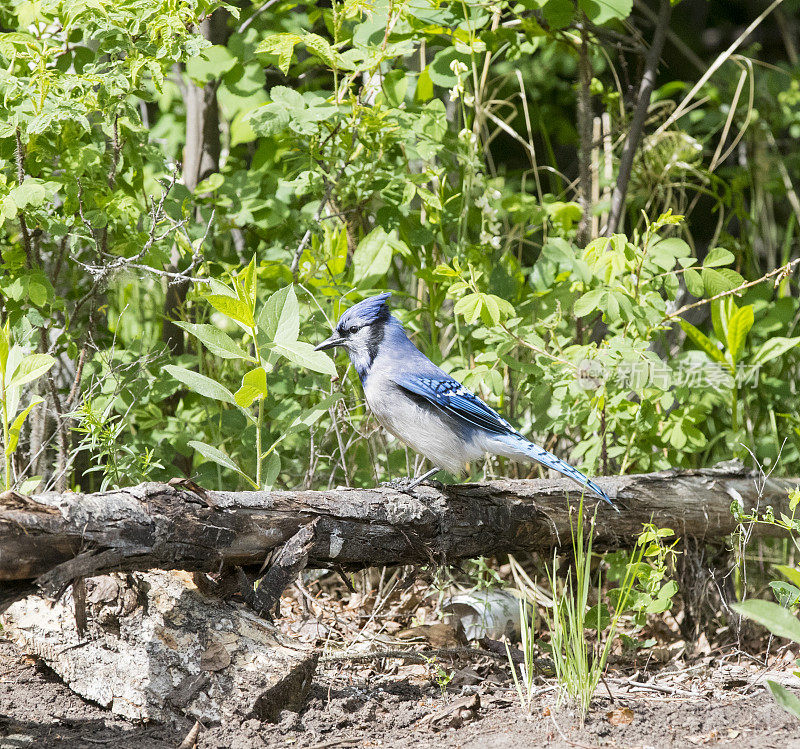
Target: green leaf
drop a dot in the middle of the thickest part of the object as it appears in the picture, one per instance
(694, 282)
(212, 183)
(587, 303)
(558, 13)
(201, 384)
(31, 193)
(335, 247)
(668, 590)
(279, 319)
(236, 309)
(720, 281)
(504, 308)
(30, 368)
(738, 327)
(395, 85)
(721, 311)
(288, 327)
(29, 485)
(217, 287)
(784, 698)
(469, 307)
(598, 617)
(424, 90)
(218, 457)
(12, 396)
(776, 619)
(16, 426)
(13, 361)
(246, 283)
(673, 246)
(790, 573)
(313, 414)
(702, 342)
(320, 48)
(5, 346)
(490, 311)
(657, 606)
(217, 342)
(270, 469)
(268, 120)
(445, 271)
(430, 198)
(372, 257)
(718, 256)
(37, 293)
(303, 353)
(677, 437)
(212, 63)
(270, 313)
(794, 498)
(565, 214)
(281, 45)
(785, 593)
(439, 70)
(290, 109)
(240, 129)
(773, 348)
(8, 209)
(611, 305)
(254, 387)
(665, 252)
(603, 11)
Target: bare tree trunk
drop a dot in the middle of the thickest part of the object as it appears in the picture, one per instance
(648, 82)
(37, 431)
(584, 232)
(200, 158)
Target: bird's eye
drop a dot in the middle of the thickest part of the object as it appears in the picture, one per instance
(353, 329)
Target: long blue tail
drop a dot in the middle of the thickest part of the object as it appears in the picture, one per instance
(516, 446)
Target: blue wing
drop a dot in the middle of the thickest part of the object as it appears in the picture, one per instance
(453, 398)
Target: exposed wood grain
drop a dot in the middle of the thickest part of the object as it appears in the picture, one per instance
(284, 566)
(52, 539)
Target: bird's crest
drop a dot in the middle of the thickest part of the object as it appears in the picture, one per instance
(366, 311)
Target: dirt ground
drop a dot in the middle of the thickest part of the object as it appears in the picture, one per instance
(404, 707)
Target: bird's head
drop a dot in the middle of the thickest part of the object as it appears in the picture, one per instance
(360, 329)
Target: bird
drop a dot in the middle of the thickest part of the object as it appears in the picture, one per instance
(423, 406)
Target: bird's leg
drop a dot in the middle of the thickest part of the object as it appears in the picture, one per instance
(406, 485)
(417, 482)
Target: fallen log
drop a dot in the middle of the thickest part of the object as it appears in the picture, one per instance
(49, 540)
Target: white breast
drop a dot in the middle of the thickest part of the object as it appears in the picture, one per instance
(423, 428)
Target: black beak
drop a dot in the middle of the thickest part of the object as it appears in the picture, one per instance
(332, 342)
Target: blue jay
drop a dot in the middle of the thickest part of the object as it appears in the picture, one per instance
(422, 405)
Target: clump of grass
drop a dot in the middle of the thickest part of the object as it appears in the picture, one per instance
(577, 665)
(578, 659)
(525, 682)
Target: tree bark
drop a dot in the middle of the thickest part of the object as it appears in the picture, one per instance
(49, 540)
(201, 154)
(584, 118)
(646, 86)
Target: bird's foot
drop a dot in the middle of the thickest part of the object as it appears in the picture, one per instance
(407, 485)
(404, 485)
